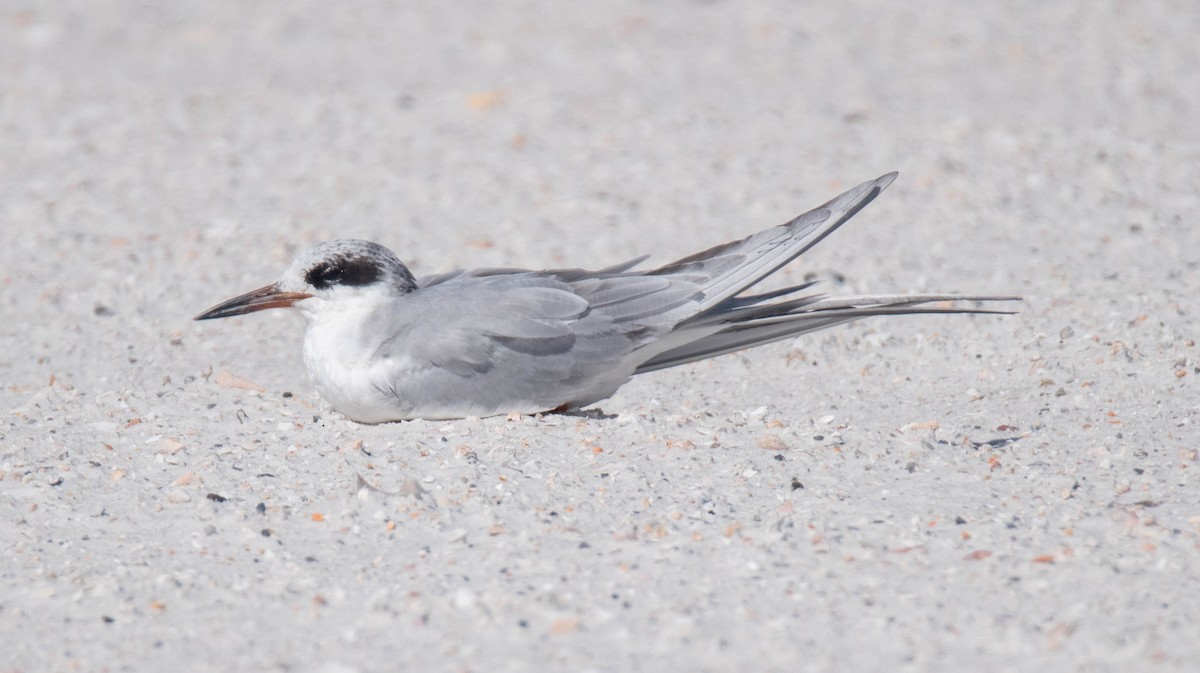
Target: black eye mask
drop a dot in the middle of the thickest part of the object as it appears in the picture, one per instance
(353, 272)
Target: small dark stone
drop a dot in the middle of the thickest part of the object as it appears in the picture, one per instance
(286, 394)
(102, 311)
(266, 532)
(216, 497)
(818, 438)
(959, 520)
(107, 619)
(796, 485)
(261, 508)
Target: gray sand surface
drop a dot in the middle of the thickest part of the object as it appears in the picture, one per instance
(941, 493)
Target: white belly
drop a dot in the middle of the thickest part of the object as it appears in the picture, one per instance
(340, 365)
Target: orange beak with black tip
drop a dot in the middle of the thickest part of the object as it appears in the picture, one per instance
(256, 300)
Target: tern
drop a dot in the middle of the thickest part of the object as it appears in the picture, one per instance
(383, 346)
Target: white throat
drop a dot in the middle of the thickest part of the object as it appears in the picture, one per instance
(342, 336)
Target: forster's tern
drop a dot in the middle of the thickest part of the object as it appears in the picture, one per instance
(384, 346)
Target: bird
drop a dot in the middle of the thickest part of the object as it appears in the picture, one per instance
(382, 345)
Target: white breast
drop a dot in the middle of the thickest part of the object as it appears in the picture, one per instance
(339, 355)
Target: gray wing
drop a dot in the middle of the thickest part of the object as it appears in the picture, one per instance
(729, 269)
(562, 326)
(546, 313)
(684, 289)
(522, 339)
(460, 322)
(505, 339)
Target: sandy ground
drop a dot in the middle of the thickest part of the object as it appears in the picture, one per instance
(914, 494)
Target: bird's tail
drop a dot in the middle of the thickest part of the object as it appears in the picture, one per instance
(744, 322)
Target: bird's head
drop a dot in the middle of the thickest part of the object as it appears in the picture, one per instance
(333, 276)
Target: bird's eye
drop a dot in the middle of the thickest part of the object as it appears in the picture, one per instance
(326, 275)
(333, 274)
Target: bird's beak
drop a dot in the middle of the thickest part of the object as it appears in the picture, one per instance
(255, 300)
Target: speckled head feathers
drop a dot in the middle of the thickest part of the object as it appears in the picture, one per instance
(348, 262)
